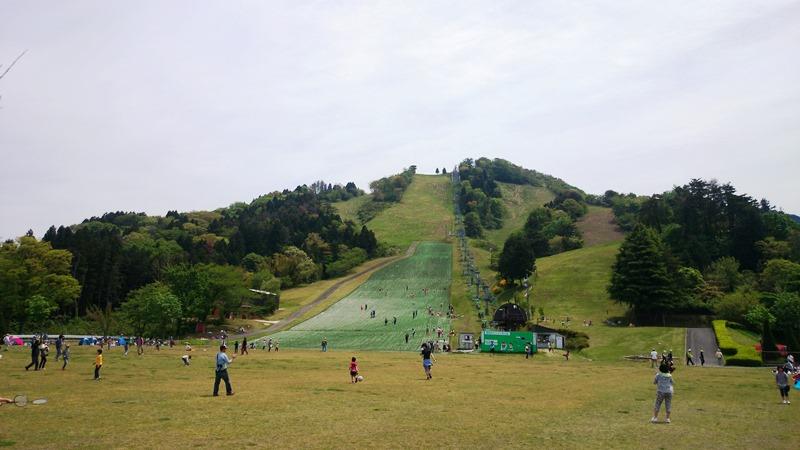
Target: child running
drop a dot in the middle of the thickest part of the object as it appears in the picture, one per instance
(353, 370)
(98, 363)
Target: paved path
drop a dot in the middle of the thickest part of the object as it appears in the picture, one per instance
(697, 338)
(283, 323)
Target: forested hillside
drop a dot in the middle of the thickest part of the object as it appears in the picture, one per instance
(199, 262)
(704, 248)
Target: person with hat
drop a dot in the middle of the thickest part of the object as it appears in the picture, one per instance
(223, 360)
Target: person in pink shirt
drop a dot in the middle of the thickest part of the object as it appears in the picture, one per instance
(353, 370)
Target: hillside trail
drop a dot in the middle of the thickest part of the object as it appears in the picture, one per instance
(697, 338)
(283, 323)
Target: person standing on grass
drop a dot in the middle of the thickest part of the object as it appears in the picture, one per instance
(718, 355)
(139, 345)
(527, 351)
(702, 358)
(127, 345)
(43, 351)
(353, 370)
(689, 357)
(98, 363)
(664, 390)
(427, 360)
(653, 358)
(65, 356)
(244, 346)
(59, 344)
(34, 355)
(782, 380)
(406, 337)
(324, 344)
(235, 347)
(223, 361)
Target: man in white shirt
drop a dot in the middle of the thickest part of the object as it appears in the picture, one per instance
(653, 358)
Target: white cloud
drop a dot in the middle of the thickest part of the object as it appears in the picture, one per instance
(190, 105)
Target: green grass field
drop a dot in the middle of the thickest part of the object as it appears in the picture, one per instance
(393, 291)
(303, 399)
(424, 214)
(574, 284)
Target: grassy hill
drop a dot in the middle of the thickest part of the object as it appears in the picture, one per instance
(598, 227)
(424, 214)
(519, 201)
(573, 284)
(394, 291)
(348, 209)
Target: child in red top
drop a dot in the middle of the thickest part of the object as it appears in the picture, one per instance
(353, 370)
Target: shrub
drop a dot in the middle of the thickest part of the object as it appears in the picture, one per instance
(738, 355)
(724, 340)
(575, 340)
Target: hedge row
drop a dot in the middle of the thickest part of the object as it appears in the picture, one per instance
(737, 355)
(726, 343)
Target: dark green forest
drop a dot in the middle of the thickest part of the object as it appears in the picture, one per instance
(703, 248)
(194, 264)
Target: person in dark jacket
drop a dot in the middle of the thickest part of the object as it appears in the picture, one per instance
(34, 355)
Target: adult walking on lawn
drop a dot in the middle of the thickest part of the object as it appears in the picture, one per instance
(244, 346)
(34, 355)
(689, 357)
(223, 361)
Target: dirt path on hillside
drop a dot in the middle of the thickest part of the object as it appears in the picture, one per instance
(283, 323)
(598, 227)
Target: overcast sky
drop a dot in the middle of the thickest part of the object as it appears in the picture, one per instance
(152, 105)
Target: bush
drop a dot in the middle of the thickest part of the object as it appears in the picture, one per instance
(575, 340)
(724, 340)
(738, 355)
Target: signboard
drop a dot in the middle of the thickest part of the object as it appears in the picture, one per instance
(466, 341)
(507, 341)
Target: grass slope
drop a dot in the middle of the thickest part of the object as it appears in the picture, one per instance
(424, 214)
(295, 298)
(519, 201)
(574, 284)
(348, 209)
(393, 291)
(303, 399)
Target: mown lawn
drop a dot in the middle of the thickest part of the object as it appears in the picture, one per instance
(303, 399)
